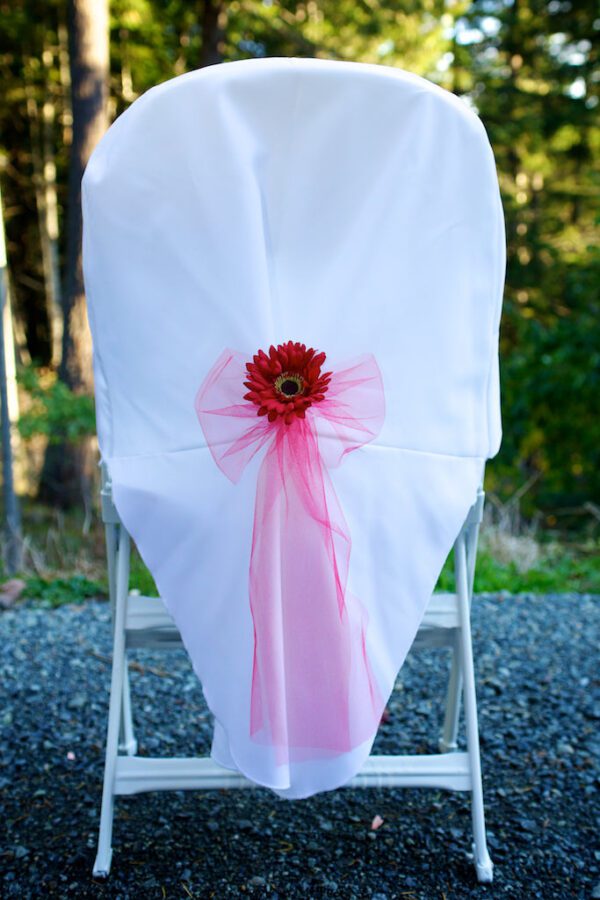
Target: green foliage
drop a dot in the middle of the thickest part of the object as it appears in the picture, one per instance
(140, 578)
(530, 68)
(55, 411)
(561, 570)
(152, 41)
(53, 592)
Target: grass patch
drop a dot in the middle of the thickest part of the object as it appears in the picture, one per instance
(140, 578)
(65, 561)
(53, 592)
(559, 569)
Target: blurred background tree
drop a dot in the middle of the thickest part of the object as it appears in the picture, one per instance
(529, 67)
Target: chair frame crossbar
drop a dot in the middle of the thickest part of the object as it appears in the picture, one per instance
(144, 622)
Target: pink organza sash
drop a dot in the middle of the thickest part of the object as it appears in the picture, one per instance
(313, 691)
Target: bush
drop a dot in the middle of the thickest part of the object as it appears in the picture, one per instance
(55, 410)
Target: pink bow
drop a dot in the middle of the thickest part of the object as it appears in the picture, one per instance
(313, 692)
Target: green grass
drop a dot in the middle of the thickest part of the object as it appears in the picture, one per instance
(65, 565)
(53, 592)
(561, 570)
(140, 578)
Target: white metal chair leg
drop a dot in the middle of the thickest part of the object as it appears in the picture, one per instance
(111, 536)
(126, 774)
(483, 863)
(104, 854)
(448, 742)
(127, 740)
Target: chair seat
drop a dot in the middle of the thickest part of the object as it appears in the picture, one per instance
(148, 623)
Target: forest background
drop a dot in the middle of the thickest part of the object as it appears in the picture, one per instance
(528, 67)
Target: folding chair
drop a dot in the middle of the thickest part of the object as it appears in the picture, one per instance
(150, 488)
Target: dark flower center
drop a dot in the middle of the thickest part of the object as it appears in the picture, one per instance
(289, 384)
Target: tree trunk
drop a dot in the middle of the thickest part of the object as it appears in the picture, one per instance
(65, 478)
(88, 51)
(128, 95)
(44, 182)
(51, 214)
(66, 115)
(13, 544)
(212, 22)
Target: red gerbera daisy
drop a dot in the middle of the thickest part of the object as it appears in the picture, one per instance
(287, 381)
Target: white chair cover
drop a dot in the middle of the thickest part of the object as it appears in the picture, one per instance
(354, 208)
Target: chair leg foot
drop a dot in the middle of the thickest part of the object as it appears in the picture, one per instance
(483, 866)
(101, 868)
(444, 747)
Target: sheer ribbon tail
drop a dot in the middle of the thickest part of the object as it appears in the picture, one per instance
(313, 693)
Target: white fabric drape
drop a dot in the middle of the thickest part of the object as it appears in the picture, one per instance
(350, 207)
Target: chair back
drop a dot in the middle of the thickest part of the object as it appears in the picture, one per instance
(351, 207)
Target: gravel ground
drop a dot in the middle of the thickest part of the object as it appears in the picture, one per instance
(539, 714)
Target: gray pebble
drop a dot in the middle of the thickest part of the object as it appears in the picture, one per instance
(535, 677)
